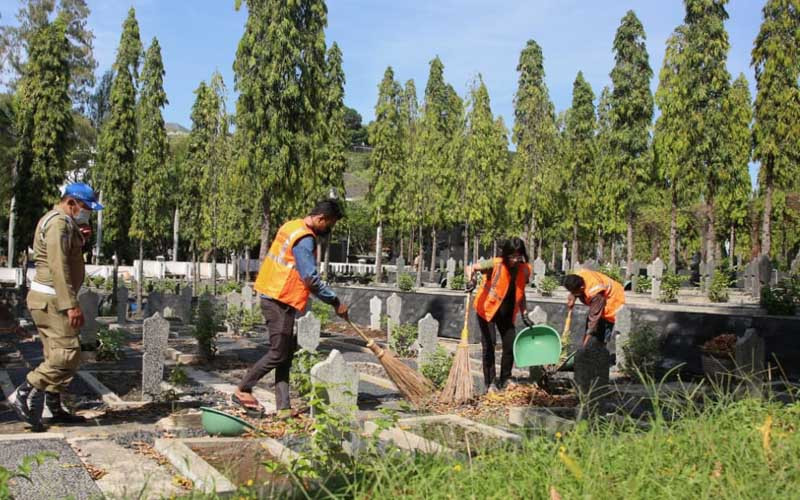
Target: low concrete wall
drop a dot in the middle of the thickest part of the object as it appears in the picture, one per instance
(689, 325)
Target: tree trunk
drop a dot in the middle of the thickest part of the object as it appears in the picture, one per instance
(573, 259)
(630, 245)
(712, 233)
(195, 272)
(175, 234)
(475, 247)
(11, 219)
(466, 248)
(539, 251)
(402, 248)
(532, 240)
(141, 278)
(379, 252)
(265, 221)
(421, 258)
(98, 244)
(553, 259)
(347, 249)
(732, 253)
(432, 273)
(411, 241)
(673, 233)
(247, 264)
(214, 273)
(601, 246)
(613, 251)
(766, 224)
(326, 271)
(494, 248)
(114, 282)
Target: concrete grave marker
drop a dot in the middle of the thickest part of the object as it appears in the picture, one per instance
(622, 333)
(184, 308)
(89, 302)
(155, 333)
(656, 273)
(750, 361)
(451, 269)
(763, 272)
(340, 381)
(394, 304)
(538, 316)
(427, 335)
(233, 300)
(592, 371)
(122, 304)
(401, 265)
(155, 304)
(248, 299)
(308, 332)
(375, 308)
(539, 270)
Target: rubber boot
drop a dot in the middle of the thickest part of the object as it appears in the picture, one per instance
(57, 411)
(28, 403)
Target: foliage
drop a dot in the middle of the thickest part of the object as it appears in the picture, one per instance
(300, 374)
(724, 344)
(547, 286)
(405, 282)
(720, 282)
(322, 312)
(613, 272)
(644, 284)
(670, 286)
(167, 285)
(642, 352)
(109, 344)
(402, 339)
(207, 322)
(438, 368)
(23, 471)
(458, 282)
(783, 299)
(178, 376)
(229, 286)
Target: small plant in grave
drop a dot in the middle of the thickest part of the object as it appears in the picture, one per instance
(23, 471)
(721, 346)
(547, 286)
(670, 286)
(233, 318)
(458, 282)
(403, 338)
(438, 368)
(718, 291)
(405, 282)
(178, 376)
(207, 324)
(644, 284)
(300, 374)
(228, 287)
(250, 319)
(782, 299)
(613, 272)
(322, 312)
(642, 352)
(109, 344)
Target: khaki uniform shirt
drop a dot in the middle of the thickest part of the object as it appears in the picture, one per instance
(57, 253)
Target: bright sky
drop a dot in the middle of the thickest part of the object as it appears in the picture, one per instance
(470, 36)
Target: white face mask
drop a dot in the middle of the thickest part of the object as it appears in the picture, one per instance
(82, 218)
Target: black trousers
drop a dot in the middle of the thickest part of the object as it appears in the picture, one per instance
(503, 322)
(282, 345)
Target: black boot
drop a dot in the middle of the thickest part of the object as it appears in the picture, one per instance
(59, 414)
(28, 403)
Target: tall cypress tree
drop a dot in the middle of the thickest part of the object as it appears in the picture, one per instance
(776, 59)
(334, 161)
(707, 81)
(632, 113)
(117, 145)
(580, 130)
(280, 76)
(43, 125)
(150, 209)
(535, 137)
(606, 194)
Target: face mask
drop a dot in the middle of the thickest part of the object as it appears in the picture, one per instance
(82, 218)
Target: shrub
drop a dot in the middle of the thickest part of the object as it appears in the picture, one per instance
(644, 284)
(300, 374)
(322, 312)
(178, 376)
(458, 282)
(613, 272)
(438, 368)
(228, 287)
(718, 291)
(207, 324)
(721, 345)
(405, 282)
(782, 299)
(670, 285)
(250, 319)
(109, 344)
(402, 339)
(547, 286)
(642, 352)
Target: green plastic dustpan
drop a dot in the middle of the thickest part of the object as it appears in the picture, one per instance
(219, 423)
(537, 345)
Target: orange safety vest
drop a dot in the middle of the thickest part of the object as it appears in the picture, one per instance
(493, 291)
(278, 278)
(596, 283)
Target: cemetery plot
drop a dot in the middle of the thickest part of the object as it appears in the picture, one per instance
(243, 462)
(458, 433)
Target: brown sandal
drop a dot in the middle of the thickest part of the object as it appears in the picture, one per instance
(249, 404)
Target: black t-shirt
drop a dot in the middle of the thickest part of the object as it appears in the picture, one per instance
(507, 306)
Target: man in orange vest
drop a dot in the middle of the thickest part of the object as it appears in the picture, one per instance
(287, 277)
(603, 295)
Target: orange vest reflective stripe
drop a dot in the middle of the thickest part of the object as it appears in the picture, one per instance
(596, 283)
(278, 278)
(493, 291)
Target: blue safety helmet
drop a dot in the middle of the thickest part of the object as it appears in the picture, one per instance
(84, 193)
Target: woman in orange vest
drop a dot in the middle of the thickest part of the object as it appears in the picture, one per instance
(500, 298)
(603, 295)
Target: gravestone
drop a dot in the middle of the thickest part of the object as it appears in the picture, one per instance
(622, 334)
(539, 270)
(460, 264)
(749, 274)
(763, 272)
(122, 304)
(590, 264)
(451, 269)
(248, 299)
(155, 332)
(441, 265)
(592, 372)
(394, 305)
(656, 273)
(375, 307)
(155, 304)
(340, 382)
(750, 361)
(565, 266)
(401, 266)
(538, 316)
(774, 278)
(89, 302)
(233, 301)
(308, 332)
(427, 335)
(185, 305)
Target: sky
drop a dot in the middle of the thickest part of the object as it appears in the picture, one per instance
(470, 36)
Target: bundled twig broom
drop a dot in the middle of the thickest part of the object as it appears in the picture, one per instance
(411, 384)
(459, 387)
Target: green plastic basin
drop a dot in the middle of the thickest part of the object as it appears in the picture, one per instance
(219, 423)
(536, 346)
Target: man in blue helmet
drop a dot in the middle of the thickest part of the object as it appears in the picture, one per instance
(53, 304)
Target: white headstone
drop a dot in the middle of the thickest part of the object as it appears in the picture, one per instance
(394, 305)
(427, 338)
(375, 308)
(538, 316)
(539, 270)
(656, 272)
(155, 332)
(89, 302)
(401, 266)
(622, 329)
(248, 299)
(308, 332)
(233, 300)
(340, 381)
(451, 269)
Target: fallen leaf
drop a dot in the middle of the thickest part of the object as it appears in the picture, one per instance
(554, 494)
(717, 472)
(766, 431)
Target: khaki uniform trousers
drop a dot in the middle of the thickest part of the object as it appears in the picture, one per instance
(60, 342)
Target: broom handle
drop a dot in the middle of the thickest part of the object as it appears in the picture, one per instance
(567, 323)
(358, 330)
